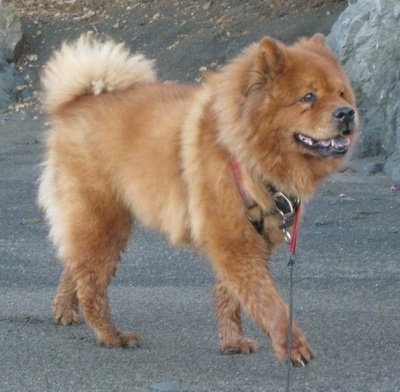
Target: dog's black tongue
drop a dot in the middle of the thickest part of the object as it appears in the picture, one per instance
(340, 142)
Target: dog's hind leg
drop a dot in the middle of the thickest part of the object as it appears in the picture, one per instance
(98, 244)
(95, 227)
(230, 331)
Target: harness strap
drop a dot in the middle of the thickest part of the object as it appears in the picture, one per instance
(284, 205)
(237, 171)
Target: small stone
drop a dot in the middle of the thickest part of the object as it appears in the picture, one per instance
(32, 57)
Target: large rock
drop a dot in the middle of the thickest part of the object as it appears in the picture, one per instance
(366, 39)
(10, 50)
(10, 34)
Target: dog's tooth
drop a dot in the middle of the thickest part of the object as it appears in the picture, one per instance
(325, 143)
(306, 140)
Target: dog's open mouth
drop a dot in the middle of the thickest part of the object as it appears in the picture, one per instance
(328, 147)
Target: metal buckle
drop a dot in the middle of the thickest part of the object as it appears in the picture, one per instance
(284, 205)
(287, 209)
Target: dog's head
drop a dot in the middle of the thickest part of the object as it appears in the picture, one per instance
(309, 94)
(291, 108)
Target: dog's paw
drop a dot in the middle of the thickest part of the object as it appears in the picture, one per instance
(66, 315)
(239, 346)
(301, 353)
(302, 356)
(120, 339)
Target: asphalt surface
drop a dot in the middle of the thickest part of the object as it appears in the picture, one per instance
(346, 297)
(346, 286)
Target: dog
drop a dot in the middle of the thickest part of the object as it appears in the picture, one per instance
(222, 166)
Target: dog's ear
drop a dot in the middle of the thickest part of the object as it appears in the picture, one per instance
(318, 44)
(319, 40)
(268, 63)
(270, 57)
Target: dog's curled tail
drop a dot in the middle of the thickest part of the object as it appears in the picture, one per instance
(91, 67)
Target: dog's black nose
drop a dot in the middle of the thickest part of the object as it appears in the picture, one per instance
(344, 114)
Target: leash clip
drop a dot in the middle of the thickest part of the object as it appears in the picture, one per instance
(287, 209)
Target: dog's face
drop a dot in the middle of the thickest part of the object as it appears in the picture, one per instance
(298, 114)
(288, 111)
(304, 98)
(320, 106)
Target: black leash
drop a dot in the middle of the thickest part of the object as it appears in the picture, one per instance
(292, 260)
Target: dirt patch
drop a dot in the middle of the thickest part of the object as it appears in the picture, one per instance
(41, 9)
(185, 37)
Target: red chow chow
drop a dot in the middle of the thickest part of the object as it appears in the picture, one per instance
(202, 164)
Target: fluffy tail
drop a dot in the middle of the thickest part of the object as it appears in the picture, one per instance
(89, 67)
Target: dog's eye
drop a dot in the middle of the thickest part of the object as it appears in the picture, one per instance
(309, 98)
(342, 93)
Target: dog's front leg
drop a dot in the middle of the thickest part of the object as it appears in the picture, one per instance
(230, 331)
(241, 264)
